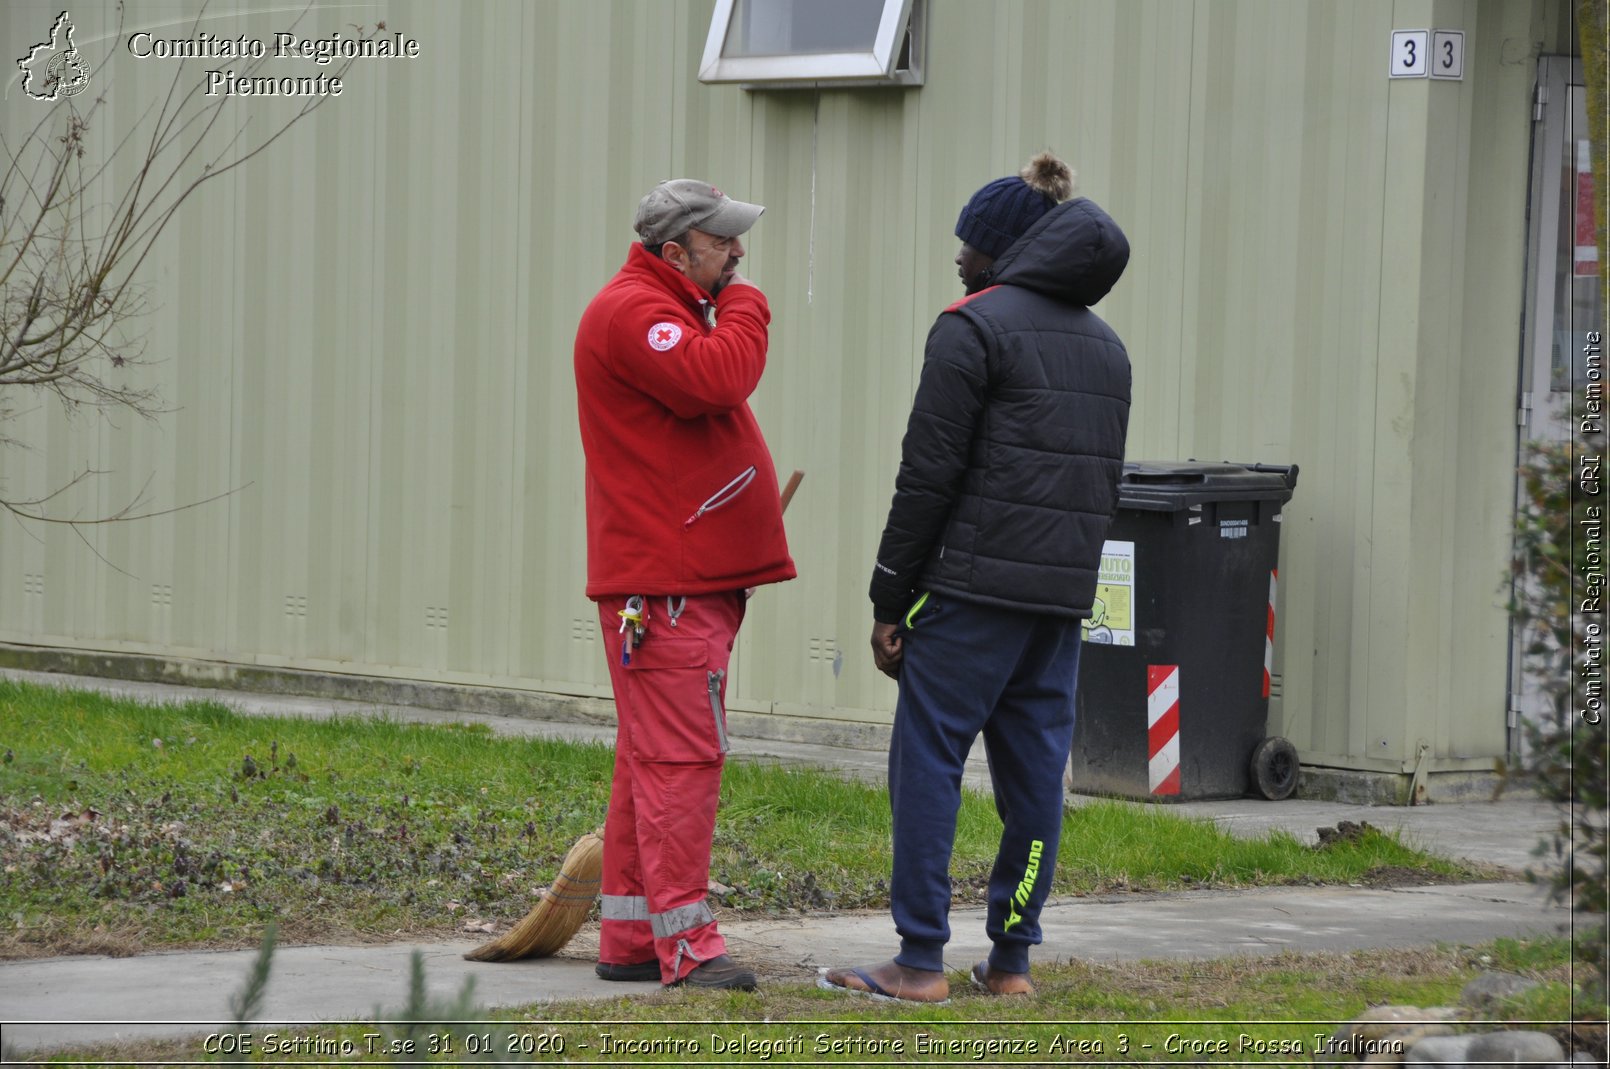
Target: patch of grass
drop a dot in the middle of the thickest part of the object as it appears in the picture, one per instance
(126, 826)
(1118, 845)
(1526, 957)
(1549, 961)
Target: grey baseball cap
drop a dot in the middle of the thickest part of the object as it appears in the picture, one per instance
(675, 205)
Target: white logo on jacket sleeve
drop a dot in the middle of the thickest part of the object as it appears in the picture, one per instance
(662, 336)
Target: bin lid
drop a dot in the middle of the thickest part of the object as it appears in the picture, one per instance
(1171, 485)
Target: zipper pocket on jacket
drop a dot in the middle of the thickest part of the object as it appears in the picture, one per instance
(715, 707)
(724, 495)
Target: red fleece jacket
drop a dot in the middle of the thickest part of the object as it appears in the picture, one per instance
(681, 491)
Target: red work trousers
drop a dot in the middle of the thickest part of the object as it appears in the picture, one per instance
(670, 745)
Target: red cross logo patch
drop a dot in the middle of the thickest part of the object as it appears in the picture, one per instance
(662, 336)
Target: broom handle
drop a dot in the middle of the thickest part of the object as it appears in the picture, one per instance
(793, 484)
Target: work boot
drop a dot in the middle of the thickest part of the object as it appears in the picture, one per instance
(639, 972)
(720, 972)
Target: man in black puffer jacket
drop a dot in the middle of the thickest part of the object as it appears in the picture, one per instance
(1008, 480)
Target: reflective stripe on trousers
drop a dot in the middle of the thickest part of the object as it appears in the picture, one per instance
(624, 908)
(676, 921)
(664, 925)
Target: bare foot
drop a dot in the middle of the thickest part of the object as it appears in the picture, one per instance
(996, 982)
(893, 981)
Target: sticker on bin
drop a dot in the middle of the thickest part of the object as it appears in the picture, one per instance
(1163, 728)
(1112, 614)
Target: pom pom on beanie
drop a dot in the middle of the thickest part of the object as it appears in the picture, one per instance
(1002, 211)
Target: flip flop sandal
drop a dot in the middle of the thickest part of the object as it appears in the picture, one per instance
(978, 977)
(873, 989)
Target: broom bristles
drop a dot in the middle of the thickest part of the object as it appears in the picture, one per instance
(560, 911)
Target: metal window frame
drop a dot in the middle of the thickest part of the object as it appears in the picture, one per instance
(862, 68)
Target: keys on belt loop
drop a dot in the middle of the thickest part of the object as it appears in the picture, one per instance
(634, 625)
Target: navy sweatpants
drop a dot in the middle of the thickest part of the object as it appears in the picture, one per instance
(967, 669)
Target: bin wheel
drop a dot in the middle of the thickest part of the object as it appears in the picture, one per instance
(1274, 768)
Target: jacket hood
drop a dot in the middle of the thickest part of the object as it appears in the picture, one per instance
(1074, 253)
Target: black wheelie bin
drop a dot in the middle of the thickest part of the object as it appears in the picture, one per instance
(1173, 696)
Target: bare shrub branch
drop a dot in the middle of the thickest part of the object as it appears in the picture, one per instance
(72, 244)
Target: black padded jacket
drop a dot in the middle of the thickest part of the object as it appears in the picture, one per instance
(1010, 465)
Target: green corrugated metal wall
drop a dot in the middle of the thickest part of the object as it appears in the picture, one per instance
(366, 333)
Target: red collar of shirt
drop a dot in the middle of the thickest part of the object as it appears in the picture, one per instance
(639, 261)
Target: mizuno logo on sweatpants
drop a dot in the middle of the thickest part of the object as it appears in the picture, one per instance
(1025, 886)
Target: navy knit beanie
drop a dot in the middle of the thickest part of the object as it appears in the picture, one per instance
(1003, 210)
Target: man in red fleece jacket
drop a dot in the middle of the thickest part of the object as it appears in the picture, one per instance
(682, 517)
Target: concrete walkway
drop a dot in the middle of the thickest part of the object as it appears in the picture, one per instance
(94, 999)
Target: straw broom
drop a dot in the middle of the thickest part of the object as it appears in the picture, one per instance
(562, 908)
